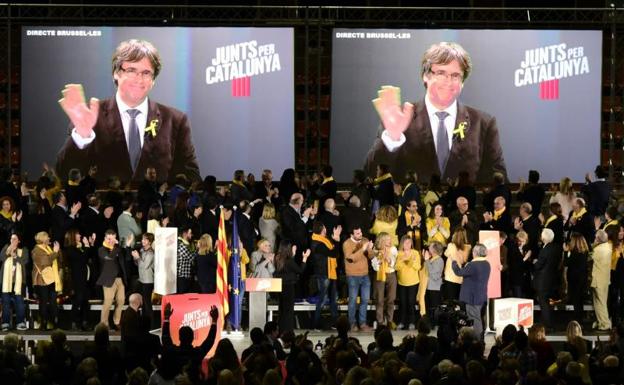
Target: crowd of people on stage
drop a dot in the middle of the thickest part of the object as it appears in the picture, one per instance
(388, 240)
(392, 239)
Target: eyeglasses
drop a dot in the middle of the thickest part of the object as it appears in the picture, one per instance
(455, 77)
(133, 73)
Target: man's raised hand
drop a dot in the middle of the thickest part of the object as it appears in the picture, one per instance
(82, 116)
(394, 118)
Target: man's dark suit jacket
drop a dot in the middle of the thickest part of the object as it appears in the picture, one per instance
(474, 286)
(247, 233)
(479, 152)
(502, 224)
(61, 222)
(545, 268)
(597, 194)
(294, 228)
(170, 152)
(110, 263)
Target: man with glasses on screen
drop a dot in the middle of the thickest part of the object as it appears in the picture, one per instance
(128, 133)
(437, 135)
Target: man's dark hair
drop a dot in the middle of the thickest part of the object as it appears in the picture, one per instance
(612, 211)
(127, 202)
(93, 200)
(211, 203)
(601, 172)
(184, 229)
(317, 227)
(354, 227)
(149, 237)
(270, 327)
(110, 232)
(359, 176)
(534, 176)
(327, 171)
(56, 197)
(239, 175)
(256, 335)
(186, 335)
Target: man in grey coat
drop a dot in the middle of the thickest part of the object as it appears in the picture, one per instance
(473, 293)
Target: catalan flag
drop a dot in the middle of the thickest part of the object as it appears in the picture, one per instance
(222, 268)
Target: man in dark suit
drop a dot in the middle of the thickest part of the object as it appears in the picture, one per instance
(150, 193)
(62, 217)
(328, 188)
(474, 287)
(246, 229)
(597, 193)
(499, 219)
(128, 133)
(544, 274)
(438, 135)
(113, 278)
(296, 224)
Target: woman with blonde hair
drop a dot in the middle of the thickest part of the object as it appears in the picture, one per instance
(408, 266)
(386, 221)
(206, 265)
(386, 281)
(268, 225)
(458, 250)
(261, 264)
(565, 197)
(45, 278)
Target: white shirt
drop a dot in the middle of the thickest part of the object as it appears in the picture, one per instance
(434, 121)
(141, 120)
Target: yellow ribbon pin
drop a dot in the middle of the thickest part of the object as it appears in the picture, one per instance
(152, 127)
(460, 130)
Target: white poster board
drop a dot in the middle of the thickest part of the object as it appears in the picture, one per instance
(165, 260)
(515, 311)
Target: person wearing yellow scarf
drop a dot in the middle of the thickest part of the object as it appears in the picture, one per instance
(408, 267)
(383, 193)
(438, 226)
(386, 281)
(409, 223)
(580, 221)
(324, 257)
(45, 259)
(13, 272)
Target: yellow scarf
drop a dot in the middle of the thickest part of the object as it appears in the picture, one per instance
(578, 215)
(184, 241)
(7, 214)
(8, 286)
(332, 264)
(610, 223)
(382, 178)
(327, 180)
(72, 183)
(550, 219)
(239, 183)
(498, 213)
(108, 246)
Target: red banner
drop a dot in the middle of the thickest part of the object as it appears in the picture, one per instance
(193, 310)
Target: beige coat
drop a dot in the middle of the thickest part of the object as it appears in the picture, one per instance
(601, 272)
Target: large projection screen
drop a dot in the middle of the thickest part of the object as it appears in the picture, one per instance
(556, 132)
(231, 128)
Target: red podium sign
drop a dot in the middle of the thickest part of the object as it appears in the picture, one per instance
(193, 310)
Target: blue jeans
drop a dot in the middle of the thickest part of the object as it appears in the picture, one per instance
(6, 308)
(326, 288)
(362, 286)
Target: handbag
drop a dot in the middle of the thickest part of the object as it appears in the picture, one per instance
(47, 274)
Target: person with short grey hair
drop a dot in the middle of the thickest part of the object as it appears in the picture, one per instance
(473, 293)
(545, 273)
